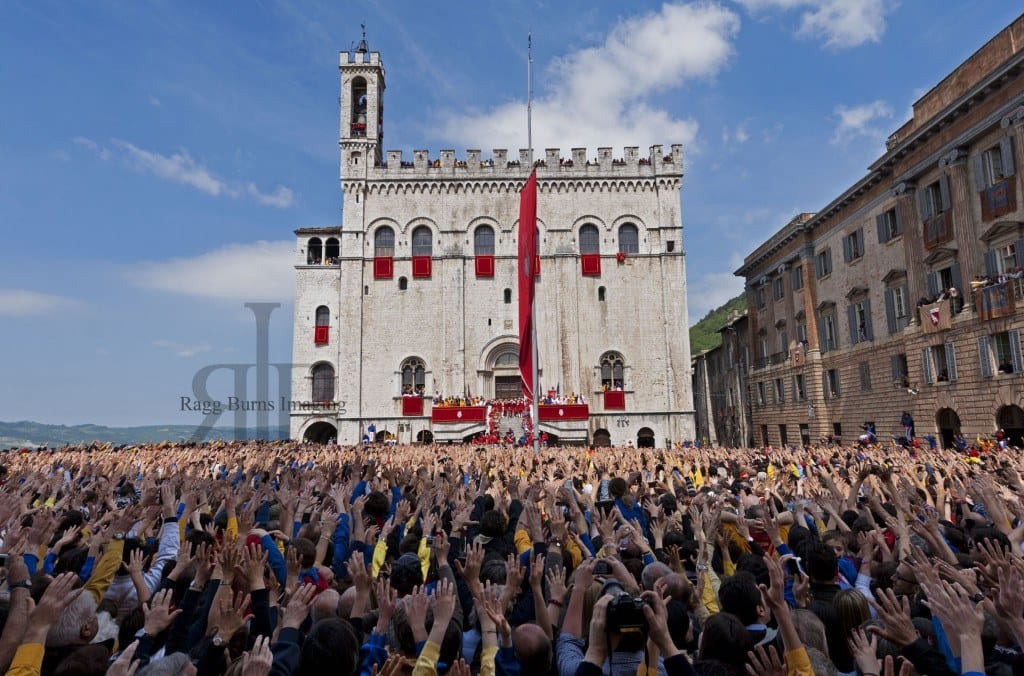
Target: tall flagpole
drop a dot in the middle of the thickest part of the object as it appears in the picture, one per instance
(535, 412)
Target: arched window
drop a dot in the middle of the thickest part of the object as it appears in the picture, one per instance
(332, 251)
(629, 239)
(322, 328)
(422, 241)
(403, 283)
(613, 368)
(314, 252)
(359, 102)
(323, 382)
(384, 242)
(483, 241)
(508, 296)
(590, 239)
(414, 376)
(507, 360)
(600, 294)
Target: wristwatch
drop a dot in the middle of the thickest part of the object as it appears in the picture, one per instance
(24, 584)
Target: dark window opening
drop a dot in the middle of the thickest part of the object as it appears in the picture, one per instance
(600, 294)
(323, 382)
(629, 239)
(612, 371)
(414, 376)
(483, 241)
(403, 283)
(359, 103)
(384, 243)
(314, 252)
(422, 241)
(508, 296)
(332, 251)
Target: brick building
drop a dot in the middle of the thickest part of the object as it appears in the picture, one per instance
(720, 393)
(877, 305)
(415, 293)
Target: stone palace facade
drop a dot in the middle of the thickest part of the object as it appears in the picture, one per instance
(415, 293)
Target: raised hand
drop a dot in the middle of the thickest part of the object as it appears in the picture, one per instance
(297, 610)
(259, 660)
(159, 615)
(765, 662)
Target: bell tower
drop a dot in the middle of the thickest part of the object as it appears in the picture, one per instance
(362, 109)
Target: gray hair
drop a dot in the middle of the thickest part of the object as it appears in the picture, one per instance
(171, 665)
(652, 573)
(67, 630)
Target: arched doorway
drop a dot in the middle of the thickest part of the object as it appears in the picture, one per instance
(948, 423)
(1011, 420)
(602, 438)
(645, 438)
(425, 437)
(382, 436)
(321, 433)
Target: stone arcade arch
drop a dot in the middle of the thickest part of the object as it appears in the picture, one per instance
(1010, 419)
(602, 438)
(645, 438)
(320, 432)
(948, 422)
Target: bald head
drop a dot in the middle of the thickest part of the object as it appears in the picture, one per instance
(326, 605)
(533, 649)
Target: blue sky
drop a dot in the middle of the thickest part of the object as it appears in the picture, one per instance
(155, 156)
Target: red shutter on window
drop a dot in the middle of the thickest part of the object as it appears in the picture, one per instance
(484, 266)
(321, 335)
(591, 264)
(614, 400)
(383, 267)
(412, 405)
(421, 267)
(536, 267)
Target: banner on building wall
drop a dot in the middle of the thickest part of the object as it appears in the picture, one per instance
(936, 317)
(527, 261)
(994, 301)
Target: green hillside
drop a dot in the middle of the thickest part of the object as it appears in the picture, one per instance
(704, 334)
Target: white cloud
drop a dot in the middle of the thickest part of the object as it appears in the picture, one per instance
(597, 96)
(739, 135)
(706, 292)
(154, 101)
(841, 23)
(259, 271)
(24, 303)
(89, 144)
(181, 168)
(281, 197)
(859, 121)
(180, 349)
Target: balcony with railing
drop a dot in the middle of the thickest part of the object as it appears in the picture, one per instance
(994, 301)
(777, 358)
(760, 363)
(998, 200)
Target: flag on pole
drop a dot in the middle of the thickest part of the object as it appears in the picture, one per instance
(527, 260)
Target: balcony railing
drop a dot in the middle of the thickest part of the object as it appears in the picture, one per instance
(760, 363)
(998, 200)
(777, 358)
(997, 300)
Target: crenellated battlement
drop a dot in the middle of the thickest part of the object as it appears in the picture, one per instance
(500, 165)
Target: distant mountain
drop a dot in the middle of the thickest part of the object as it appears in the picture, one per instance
(704, 335)
(32, 434)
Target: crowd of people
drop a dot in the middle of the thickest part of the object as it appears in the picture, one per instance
(258, 558)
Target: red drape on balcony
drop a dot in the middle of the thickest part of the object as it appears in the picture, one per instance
(615, 400)
(550, 413)
(484, 266)
(458, 414)
(590, 264)
(412, 405)
(321, 335)
(383, 267)
(421, 267)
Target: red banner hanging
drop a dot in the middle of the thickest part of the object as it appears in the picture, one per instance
(527, 262)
